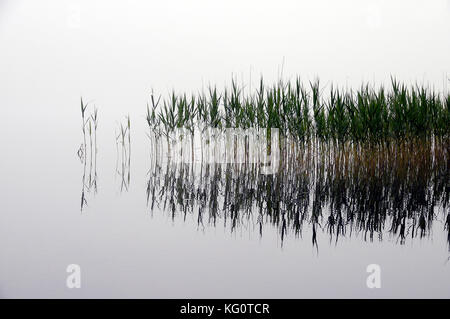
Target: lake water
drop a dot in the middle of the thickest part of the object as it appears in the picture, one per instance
(186, 246)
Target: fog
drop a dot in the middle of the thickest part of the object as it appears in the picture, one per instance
(113, 53)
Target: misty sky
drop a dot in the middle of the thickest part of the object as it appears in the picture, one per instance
(165, 44)
(115, 52)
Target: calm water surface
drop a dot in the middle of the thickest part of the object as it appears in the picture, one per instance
(184, 247)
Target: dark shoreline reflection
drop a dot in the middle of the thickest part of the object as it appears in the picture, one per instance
(341, 190)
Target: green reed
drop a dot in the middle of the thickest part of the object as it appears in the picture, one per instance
(301, 112)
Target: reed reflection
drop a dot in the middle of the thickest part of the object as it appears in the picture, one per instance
(394, 189)
(87, 153)
(123, 154)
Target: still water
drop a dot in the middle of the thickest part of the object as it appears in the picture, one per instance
(169, 230)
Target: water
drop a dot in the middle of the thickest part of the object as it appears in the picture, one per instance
(126, 249)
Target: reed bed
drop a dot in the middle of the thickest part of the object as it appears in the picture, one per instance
(369, 161)
(305, 112)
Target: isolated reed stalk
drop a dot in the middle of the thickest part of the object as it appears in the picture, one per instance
(94, 119)
(83, 110)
